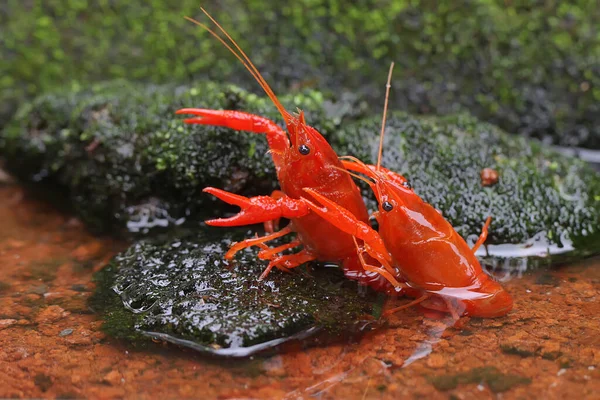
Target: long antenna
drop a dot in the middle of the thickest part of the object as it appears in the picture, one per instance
(245, 60)
(261, 81)
(385, 106)
(355, 175)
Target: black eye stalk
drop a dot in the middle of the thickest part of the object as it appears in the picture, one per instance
(303, 149)
(407, 184)
(387, 206)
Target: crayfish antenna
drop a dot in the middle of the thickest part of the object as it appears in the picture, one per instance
(385, 107)
(245, 60)
(354, 164)
(352, 174)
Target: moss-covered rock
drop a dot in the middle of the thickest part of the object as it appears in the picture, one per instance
(530, 67)
(184, 292)
(126, 159)
(541, 197)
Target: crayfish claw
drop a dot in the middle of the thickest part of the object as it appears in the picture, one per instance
(229, 198)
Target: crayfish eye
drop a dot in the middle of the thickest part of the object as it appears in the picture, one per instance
(303, 149)
(407, 184)
(387, 206)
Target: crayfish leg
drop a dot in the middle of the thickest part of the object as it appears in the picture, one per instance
(269, 253)
(255, 242)
(371, 268)
(288, 261)
(483, 235)
(407, 305)
(272, 226)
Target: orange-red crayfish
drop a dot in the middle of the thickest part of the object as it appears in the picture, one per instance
(429, 253)
(303, 159)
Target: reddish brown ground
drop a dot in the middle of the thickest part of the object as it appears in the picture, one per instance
(51, 345)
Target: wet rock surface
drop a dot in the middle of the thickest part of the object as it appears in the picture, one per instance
(184, 291)
(556, 318)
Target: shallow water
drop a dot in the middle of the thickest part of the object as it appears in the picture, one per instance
(51, 344)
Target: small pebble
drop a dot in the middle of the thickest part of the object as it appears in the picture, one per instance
(489, 177)
(65, 332)
(5, 323)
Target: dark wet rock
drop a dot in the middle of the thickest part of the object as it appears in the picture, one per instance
(497, 381)
(547, 279)
(125, 159)
(44, 382)
(79, 288)
(543, 200)
(530, 67)
(183, 291)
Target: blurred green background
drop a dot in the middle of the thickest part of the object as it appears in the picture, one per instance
(531, 67)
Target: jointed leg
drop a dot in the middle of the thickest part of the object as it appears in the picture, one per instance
(266, 248)
(288, 261)
(258, 208)
(371, 268)
(347, 222)
(408, 305)
(484, 233)
(268, 253)
(273, 225)
(452, 308)
(255, 242)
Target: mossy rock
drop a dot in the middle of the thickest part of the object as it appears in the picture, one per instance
(126, 159)
(542, 201)
(529, 67)
(183, 291)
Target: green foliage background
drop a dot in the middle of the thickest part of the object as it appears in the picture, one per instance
(532, 67)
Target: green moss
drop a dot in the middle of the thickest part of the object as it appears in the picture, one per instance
(497, 381)
(45, 271)
(183, 291)
(118, 322)
(531, 68)
(515, 350)
(125, 159)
